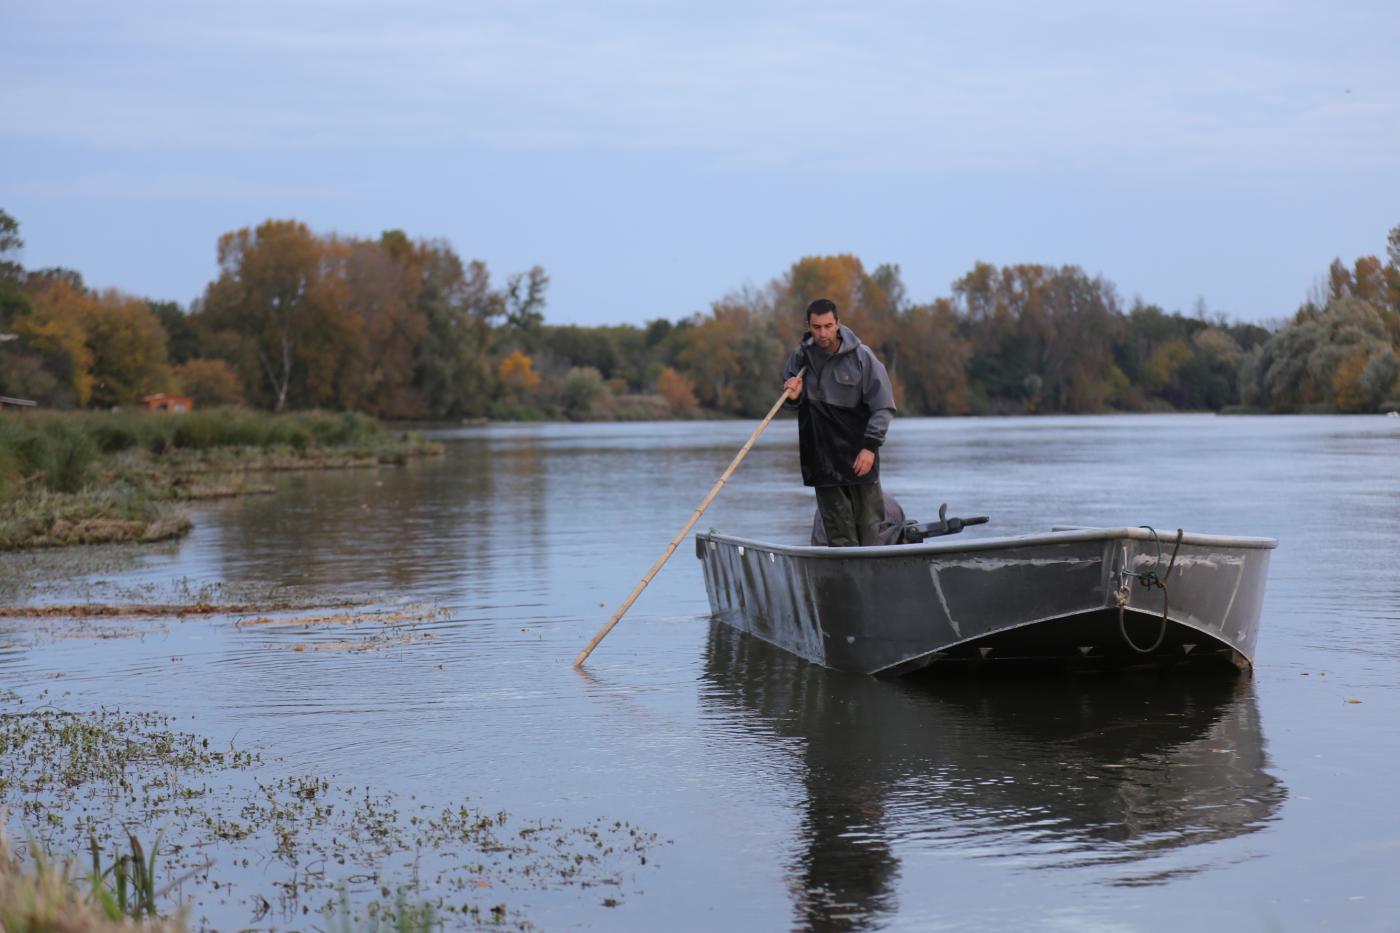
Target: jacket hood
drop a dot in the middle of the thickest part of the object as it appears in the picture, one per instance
(849, 341)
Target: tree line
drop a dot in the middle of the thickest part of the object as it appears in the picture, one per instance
(404, 328)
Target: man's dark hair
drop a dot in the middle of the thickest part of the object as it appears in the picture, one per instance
(823, 306)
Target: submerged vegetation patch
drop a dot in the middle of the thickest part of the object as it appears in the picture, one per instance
(109, 610)
(232, 837)
(398, 616)
(379, 628)
(375, 628)
(90, 581)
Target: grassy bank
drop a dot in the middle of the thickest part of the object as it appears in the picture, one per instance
(90, 477)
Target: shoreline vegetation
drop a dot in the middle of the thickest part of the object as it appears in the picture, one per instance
(406, 330)
(97, 477)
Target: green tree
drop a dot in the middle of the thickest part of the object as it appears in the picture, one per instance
(1158, 372)
(14, 302)
(10, 246)
(999, 311)
(1210, 378)
(454, 372)
(1379, 382)
(1319, 358)
(524, 308)
(37, 279)
(583, 388)
(24, 375)
(595, 347)
(269, 290)
(1042, 338)
(182, 338)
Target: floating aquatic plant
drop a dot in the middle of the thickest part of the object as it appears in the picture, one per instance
(83, 779)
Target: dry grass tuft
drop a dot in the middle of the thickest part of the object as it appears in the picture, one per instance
(50, 898)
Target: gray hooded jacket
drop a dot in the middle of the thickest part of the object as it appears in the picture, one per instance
(846, 406)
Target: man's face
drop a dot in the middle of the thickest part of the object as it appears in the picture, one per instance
(825, 331)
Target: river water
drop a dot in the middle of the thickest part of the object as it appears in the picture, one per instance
(784, 796)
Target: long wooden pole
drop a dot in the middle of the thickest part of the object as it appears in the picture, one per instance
(680, 536)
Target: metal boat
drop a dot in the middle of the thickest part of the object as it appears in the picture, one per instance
(1107, 597)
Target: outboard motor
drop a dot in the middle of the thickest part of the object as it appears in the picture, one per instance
(912, 532)
(896, 529)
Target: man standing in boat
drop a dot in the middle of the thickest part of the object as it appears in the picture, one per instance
(844, 405)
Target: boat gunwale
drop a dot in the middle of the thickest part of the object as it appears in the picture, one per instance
(1074, 536)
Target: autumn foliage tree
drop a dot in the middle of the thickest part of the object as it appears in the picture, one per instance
(391, 326)
(733, 358)
(76, 347)
(128, 346)
(54, 333)
(405, 328)
(678, 390)
(384, 325)
(518, 375)
(932, 358)
(209, 382)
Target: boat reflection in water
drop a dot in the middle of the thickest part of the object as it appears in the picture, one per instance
(1130, 773)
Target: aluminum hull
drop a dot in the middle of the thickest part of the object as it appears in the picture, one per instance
(1046, 597)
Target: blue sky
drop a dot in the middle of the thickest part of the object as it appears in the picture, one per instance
(653, 157)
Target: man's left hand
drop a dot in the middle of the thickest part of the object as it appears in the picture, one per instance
(865, 462)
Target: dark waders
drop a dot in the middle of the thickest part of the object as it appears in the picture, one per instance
(851, 514)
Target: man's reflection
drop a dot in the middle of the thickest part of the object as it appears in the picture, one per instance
(1056, 769)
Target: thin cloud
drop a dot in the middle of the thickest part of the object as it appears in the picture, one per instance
(949, 91)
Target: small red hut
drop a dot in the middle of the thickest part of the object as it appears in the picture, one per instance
(163, 401)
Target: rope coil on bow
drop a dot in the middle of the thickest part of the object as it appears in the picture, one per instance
(1148, 579)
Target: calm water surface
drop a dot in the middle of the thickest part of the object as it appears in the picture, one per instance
(791, 797)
